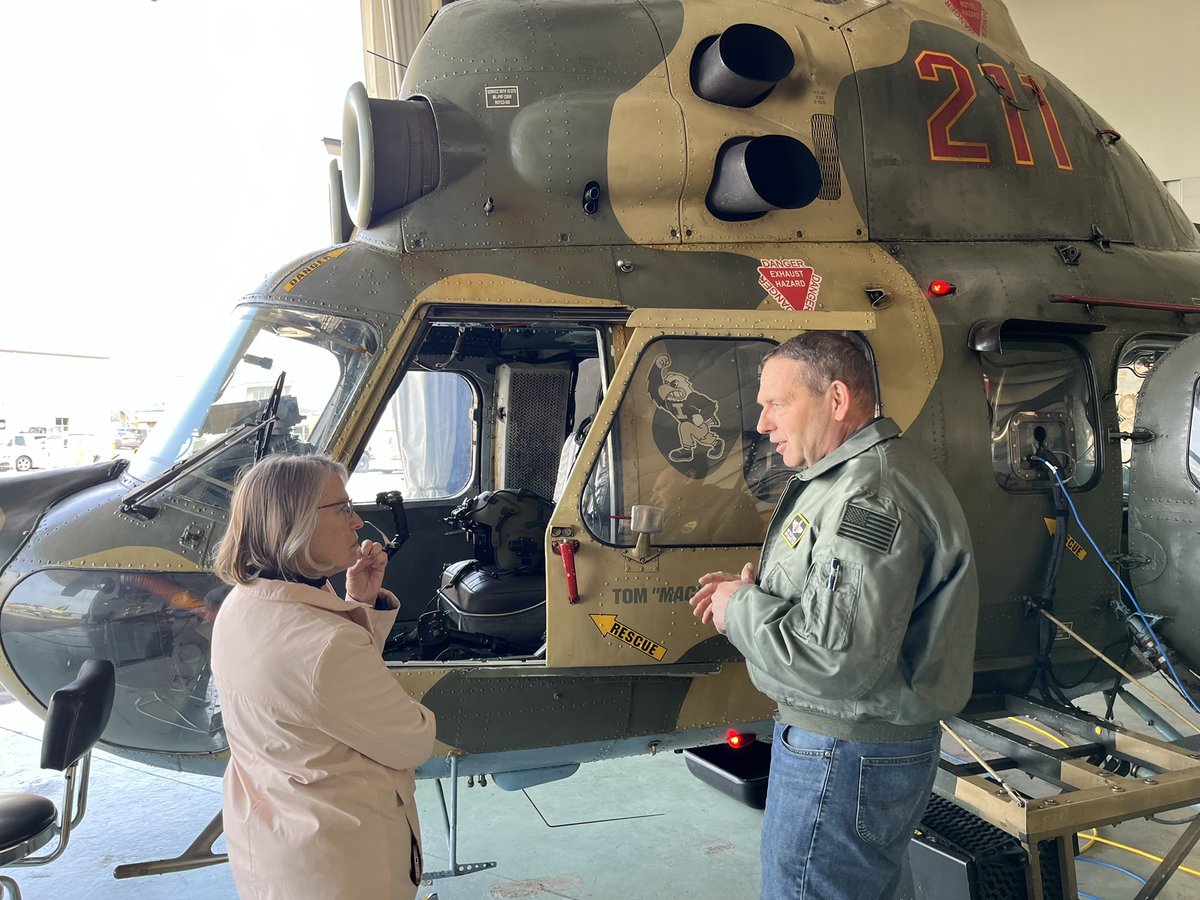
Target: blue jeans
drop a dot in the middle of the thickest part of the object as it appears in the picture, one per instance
(840, 814)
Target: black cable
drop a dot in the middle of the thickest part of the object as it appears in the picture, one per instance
(1092, 668)
(1043, 672)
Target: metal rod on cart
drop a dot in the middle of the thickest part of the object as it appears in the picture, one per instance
(1070, 631)
(1016, 798)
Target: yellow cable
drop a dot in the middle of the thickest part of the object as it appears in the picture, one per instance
(1042, 731)
(1157, 859)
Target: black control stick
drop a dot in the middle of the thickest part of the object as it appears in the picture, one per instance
(394, 501)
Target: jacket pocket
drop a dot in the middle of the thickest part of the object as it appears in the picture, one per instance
(415, 870)
(828, 613)
(415, 860)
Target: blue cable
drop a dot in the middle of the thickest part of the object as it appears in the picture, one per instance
(1162, 651)
(951, 756)
(1107, 865)
(1082, 896)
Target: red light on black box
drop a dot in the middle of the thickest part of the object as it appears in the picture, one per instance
(941, 288)
(736, 740)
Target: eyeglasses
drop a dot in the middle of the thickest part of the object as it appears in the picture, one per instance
(345, 507)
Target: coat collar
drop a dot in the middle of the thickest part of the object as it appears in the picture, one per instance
(321, 597)
(874, 432)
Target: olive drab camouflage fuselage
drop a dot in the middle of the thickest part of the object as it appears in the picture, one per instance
(552, 193)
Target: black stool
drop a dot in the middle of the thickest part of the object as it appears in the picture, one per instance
(75, 720)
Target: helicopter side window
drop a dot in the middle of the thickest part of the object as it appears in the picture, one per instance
(1138, 357)
(684, 440)
(1040, 396)
(424, 442)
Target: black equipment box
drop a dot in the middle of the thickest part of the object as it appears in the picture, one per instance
(740, 772)
(955, 855)
(510, 606)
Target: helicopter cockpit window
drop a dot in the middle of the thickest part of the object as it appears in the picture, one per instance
(424, 442)
(156, 629)
(684, 440)
(321, 358)
(1040, 395)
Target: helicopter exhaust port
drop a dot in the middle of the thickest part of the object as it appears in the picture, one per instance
(756, 175)
(741, 66)
(389, 154)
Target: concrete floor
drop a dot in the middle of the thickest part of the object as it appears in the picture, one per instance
(688, 841)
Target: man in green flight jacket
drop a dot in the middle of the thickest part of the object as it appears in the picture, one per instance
(861, 626)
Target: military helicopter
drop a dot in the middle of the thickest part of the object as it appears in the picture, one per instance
(560, 253)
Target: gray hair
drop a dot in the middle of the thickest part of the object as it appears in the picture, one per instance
(272, 518)
(828, 357)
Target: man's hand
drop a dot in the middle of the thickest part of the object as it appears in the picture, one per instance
(708, 603)
(364, 579)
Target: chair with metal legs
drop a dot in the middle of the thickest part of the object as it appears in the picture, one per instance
(75, 720)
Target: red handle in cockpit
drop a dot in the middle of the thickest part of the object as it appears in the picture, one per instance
(566, 549)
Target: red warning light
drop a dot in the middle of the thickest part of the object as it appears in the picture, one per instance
(941, 288)
(735, 740)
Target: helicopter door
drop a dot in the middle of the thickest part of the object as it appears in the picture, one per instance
(672, 481)
(1164, 490)
(423, 446)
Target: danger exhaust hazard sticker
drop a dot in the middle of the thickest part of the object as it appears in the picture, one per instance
(792, 283)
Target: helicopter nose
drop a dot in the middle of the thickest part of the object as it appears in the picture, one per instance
(23, 500)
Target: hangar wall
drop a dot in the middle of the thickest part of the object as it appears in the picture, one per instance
(1133, 62)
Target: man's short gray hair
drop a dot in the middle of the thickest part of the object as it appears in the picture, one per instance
(272, 518)
(828, 357)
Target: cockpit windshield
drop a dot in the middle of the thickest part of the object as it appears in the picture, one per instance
(322, 358)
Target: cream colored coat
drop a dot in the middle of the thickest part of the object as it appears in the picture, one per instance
(322, 744)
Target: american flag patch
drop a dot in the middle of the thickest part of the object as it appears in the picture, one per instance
(866, 526)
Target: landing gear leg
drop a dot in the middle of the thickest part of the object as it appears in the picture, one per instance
(1170, 862)
(450, 816)
(198, 855)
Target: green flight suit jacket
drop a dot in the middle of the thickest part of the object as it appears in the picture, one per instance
(862, 623)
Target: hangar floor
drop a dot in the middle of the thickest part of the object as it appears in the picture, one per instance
(680, 838)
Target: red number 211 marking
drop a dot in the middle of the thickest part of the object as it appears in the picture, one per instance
(1016, 126)
(1061, 156)
(944, 148)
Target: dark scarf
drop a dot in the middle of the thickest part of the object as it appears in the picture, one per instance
(297, 579)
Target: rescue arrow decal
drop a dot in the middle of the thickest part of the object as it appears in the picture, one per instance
(1073, 545)
(610, 626)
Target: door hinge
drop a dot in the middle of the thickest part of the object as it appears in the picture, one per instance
(1129, 560)
(1137, 436)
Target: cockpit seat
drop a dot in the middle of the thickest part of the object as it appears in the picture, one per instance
(501, 592)
(507, 605)
(75, 719)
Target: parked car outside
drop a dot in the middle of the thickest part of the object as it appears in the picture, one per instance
(24, 452)
(129, 438)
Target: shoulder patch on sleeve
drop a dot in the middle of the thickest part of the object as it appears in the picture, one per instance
(795, 530)
(875, 529)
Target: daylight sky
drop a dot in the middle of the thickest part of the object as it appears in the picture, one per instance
(160, 158)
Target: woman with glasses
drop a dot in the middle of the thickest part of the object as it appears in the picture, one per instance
(318, 798)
